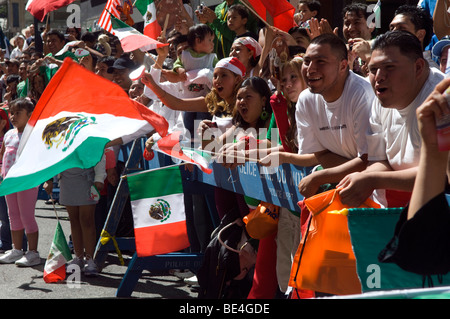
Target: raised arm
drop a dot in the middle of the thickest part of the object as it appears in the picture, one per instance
(196, 104)
(431, 175)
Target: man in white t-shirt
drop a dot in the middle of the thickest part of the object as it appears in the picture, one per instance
(402, 79)
(333, 114)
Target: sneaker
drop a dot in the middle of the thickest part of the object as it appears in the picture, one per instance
(29, 259)
(11, 256)
(75, 261)
(182, 274)
(192, 281)
(90, 268)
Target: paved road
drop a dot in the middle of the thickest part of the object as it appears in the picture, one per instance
(28, 283)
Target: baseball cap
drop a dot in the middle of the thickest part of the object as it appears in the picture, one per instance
(121, 63)
(440, 45)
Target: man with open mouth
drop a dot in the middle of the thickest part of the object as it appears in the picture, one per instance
(402, 79)
(332, 114)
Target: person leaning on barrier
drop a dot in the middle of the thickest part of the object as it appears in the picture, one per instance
(332, 115)
(401, 79)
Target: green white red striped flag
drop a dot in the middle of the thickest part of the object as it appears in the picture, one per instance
(170, 145)
(157, 203)
(59, 255)
(148, 10)
(76, 116)
(131, 39)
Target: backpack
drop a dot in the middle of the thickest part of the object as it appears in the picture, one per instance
(228, 264)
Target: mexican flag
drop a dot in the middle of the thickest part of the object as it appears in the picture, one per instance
(131, 39)
(148, 10)
(76, 116)
(170, 145)
(157, 203)
(59, 255)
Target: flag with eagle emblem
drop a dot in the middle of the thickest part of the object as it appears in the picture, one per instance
(157, 203)
(76, 116)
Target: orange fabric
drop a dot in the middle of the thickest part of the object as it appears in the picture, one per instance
(262, 221)
(327, 264)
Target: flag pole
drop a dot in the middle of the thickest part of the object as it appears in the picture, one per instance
(163, 33)
(54, 207)
(153, 169)
(218, 154)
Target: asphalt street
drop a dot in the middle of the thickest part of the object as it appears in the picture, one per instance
(28, 283)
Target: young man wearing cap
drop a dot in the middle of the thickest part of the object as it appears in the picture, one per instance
(121, 70)
(332, 115)
(402, 80)
(440, 51)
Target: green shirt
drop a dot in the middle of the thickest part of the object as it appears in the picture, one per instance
(50, 72)
(224, 37)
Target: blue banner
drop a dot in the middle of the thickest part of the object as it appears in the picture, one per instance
(277, 185)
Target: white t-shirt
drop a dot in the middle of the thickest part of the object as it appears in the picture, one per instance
(394, 134)
(340, 126)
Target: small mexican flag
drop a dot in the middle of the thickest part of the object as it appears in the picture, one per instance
(59, 255)
(157, 203)
(131, 39)
(170, 145)
(148, 10)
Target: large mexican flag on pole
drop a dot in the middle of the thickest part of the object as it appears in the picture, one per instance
(76, 116)
(157, 203)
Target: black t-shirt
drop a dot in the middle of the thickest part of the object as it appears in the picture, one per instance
(422, 244)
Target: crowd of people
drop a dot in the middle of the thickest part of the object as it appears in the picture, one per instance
(347, 105)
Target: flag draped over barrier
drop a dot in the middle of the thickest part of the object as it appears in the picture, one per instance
(76, 116)
(370, 231)
(158, 211)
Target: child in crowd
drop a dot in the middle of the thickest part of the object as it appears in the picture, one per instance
(307, 9)
(283, 104)
(251, 119)
(5, 231)
(11, 87)
(21, 205)
(199, 55)
(79, 192)
(237, 18)
(248, 51)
